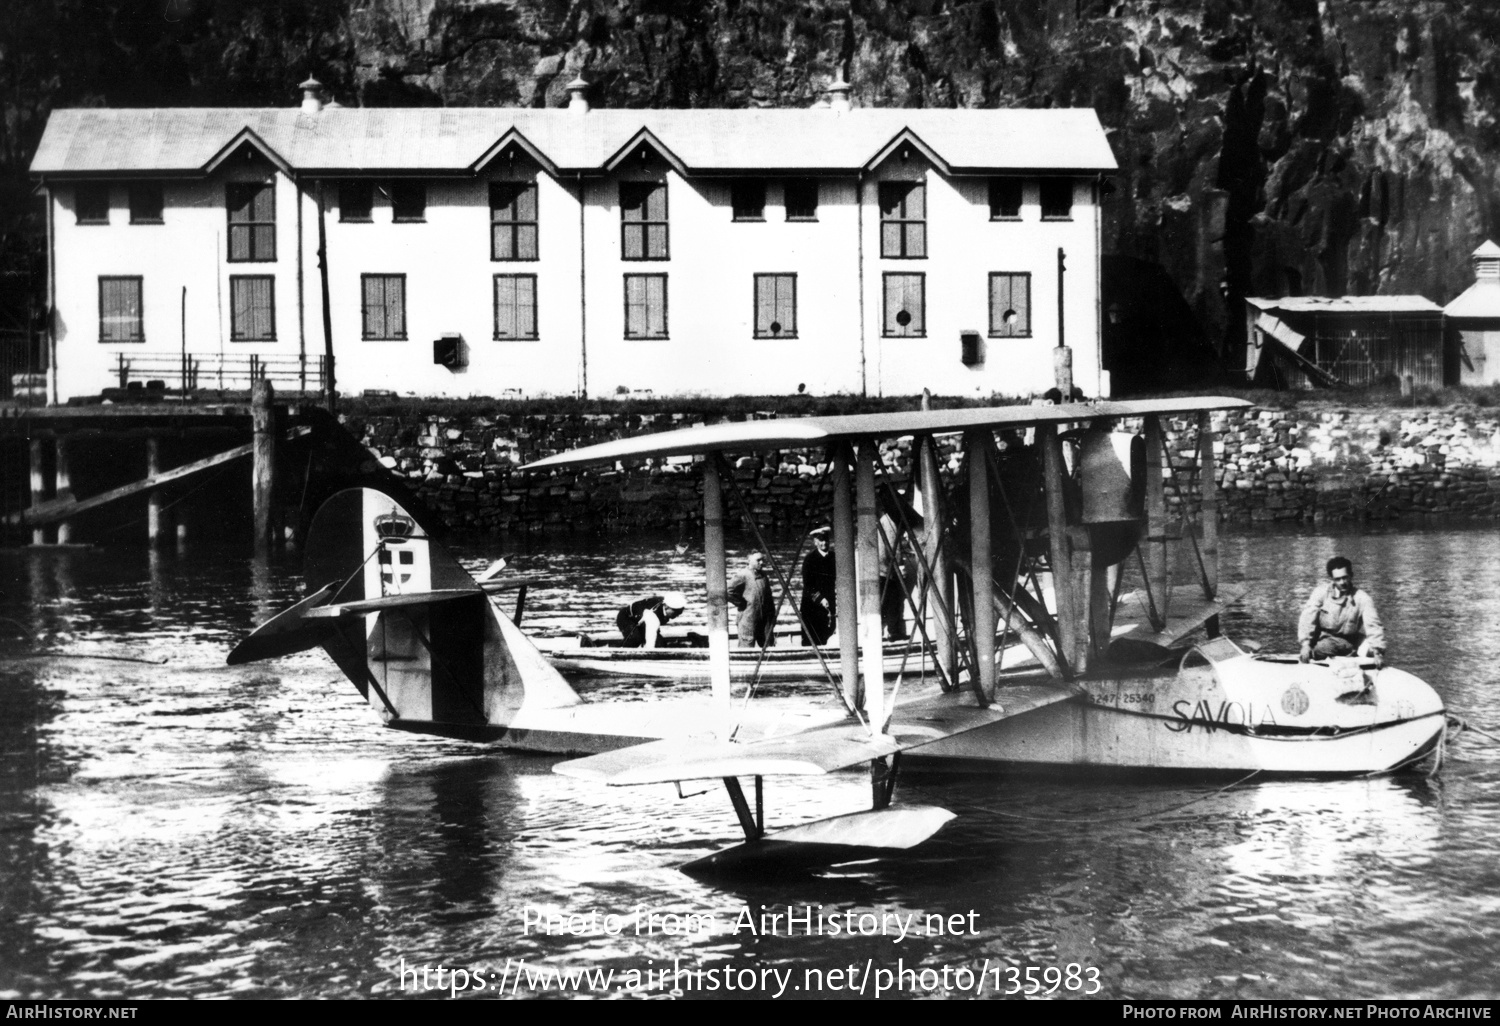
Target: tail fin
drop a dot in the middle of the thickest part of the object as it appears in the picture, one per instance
(408, 625)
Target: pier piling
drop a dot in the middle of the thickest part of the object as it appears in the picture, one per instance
(263, 419)
(154, 497)
(38, 489)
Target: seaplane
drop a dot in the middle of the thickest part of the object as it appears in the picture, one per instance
(1033, 655)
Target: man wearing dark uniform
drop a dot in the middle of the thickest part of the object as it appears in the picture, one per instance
(819, 590)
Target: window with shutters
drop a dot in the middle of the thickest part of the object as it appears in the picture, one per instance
(1010, 305)
(775, 306)
(146, 203)
(1057, 199)
(643, 220)
(905, 305)
(252, 221)
(903, 220)
(357, 201)
(91, 204)
(513, 221)
(645, 306)
(801, 199)
(252, 308)
(515, 306)
(1005, 199)
(120, 310)
(384, 306)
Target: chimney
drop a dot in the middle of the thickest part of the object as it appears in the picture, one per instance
(312, 95)
(1486, 262)
(577, 102)
(838, 94)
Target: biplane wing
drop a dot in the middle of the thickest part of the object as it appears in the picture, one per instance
(802, 432)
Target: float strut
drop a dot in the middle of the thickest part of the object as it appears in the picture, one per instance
(751, 824)
(883, 774)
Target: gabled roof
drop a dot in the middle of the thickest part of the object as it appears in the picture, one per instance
(455, 141)
(520, 142)
(645, 138)
(906, 137)
(247, 137)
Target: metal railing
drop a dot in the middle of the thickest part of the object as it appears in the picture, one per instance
(195, 372)
(23, 374)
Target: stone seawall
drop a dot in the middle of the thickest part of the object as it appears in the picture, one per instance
(1313, 464)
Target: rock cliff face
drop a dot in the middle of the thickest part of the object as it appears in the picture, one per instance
(1266, 147)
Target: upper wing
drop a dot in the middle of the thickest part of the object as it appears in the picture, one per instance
(819, 750)
(803, 432)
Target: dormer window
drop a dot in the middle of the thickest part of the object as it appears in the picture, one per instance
(252, 221)
(748, 197)
(643, 220)
(513, 221)
(903, 220)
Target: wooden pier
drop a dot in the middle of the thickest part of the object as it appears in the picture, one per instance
(126, 474)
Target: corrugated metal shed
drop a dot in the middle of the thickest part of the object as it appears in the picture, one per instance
(453, 140)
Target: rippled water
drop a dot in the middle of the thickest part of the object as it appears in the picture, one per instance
(173, 826)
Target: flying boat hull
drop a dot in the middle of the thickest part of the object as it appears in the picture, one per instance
(1223, 711)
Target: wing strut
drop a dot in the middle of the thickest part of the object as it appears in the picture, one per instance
(717, 587)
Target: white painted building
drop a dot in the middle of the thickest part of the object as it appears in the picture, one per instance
(575, 251)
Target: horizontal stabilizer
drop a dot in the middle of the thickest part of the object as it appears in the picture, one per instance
(360, 607)
(825, 841)
(288, 631)
(820, 750)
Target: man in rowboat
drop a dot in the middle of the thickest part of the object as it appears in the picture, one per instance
(1340, 619)
(641, 621)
